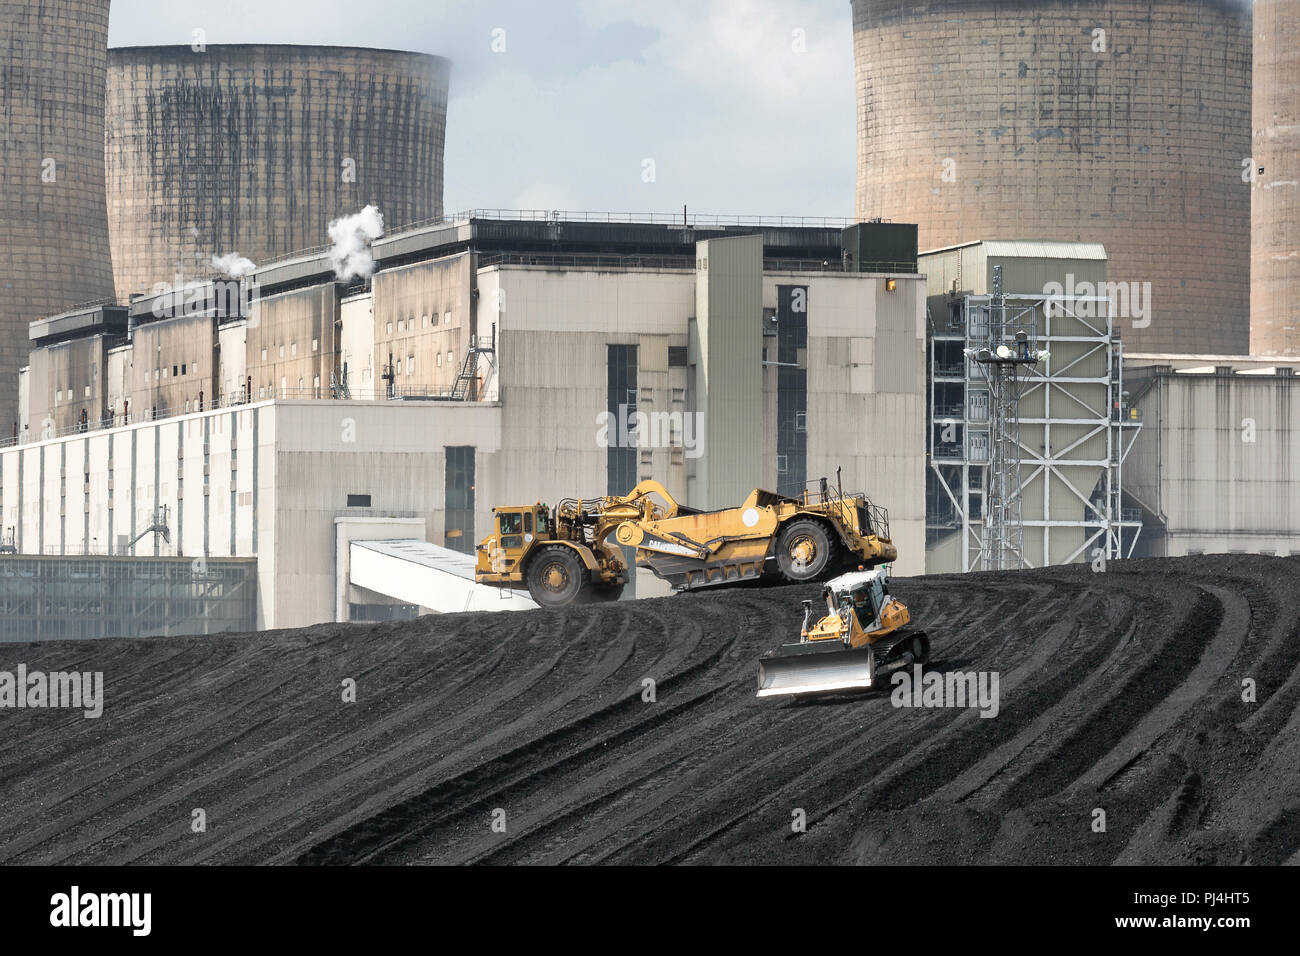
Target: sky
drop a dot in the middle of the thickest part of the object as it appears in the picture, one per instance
(732, 107)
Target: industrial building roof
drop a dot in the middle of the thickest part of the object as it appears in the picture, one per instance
(424, 553)
(1031, 249)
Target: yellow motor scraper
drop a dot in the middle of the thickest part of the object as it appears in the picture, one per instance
(862, 637)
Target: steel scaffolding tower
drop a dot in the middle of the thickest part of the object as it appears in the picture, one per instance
(1027, 457)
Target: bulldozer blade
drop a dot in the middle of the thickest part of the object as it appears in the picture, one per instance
(815, 672)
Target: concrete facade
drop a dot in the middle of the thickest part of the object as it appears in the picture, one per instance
(1275, 190)
(254, 149)
(987, 119)
(53, 220)
(726, 346)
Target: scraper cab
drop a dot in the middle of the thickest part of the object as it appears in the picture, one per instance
(862, 637)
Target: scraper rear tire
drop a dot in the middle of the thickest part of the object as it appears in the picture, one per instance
(804, 550)
(557, 577)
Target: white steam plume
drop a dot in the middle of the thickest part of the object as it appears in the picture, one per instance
(352, 236)
(234, 265)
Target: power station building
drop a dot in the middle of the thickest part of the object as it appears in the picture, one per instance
(254, 149)
(53, 219)
(487, 361)
(1124, 123)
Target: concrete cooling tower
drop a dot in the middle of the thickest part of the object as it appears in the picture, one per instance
(254, 149)
(1124, 122)
(53, 223)
(1275, 193)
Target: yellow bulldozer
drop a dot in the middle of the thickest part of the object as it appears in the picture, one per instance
(863, 636)
(571, 553)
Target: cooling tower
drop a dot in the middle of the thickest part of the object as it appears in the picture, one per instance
(1275, 194)
(53, 224)
(1125, 123)
(254, 149)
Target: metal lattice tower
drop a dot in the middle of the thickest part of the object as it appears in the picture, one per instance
(1009, 345)
(1003, 526)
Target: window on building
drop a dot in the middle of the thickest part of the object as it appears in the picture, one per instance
(281, 351)
(458, 498)
(293, 348)
(184, 369)
(390, 328)
(451, 357)
(173, 371)
(439, 360)
(315, 344)
(621, 404)
(410, 365)
(358, 501)
(264, 354)
(446, 317)
(424, 324)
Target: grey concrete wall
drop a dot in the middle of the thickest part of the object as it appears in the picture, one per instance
(867, 396)
(422, 318)
(1218, 457)
(67, 380)
(291, 343)
(173, 366)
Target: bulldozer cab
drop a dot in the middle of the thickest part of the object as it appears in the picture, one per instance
(864, 595)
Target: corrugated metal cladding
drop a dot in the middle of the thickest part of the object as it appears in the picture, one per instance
(1275, 192)
(254, 149)
(1121, 122)
(729, 319)
(880, 247)
(53, 222)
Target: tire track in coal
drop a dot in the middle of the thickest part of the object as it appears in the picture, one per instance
(722, 774)
(374, 836)
(395, 761)
(884, 766)
(1223, 647)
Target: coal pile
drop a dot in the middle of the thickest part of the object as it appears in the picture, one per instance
(1146, 714)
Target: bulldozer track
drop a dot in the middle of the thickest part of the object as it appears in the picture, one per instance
(629, 733)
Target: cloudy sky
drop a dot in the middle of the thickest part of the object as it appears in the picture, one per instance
(744, 106)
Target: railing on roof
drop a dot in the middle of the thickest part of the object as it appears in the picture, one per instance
(591, 260)
(692, 220)
(396, 393)
(653, 218)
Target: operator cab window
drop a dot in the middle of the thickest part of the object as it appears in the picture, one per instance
(512, 523)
